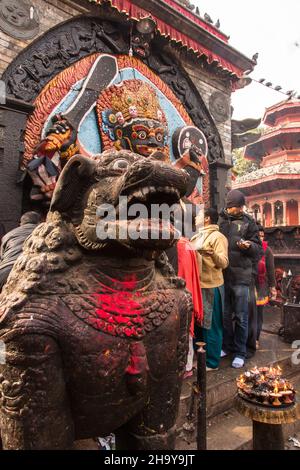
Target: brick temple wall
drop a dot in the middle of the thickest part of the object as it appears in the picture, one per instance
(208, 83)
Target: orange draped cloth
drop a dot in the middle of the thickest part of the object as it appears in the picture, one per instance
(188, 270)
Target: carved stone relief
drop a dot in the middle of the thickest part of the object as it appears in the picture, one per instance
(219, 107)
(19, 19)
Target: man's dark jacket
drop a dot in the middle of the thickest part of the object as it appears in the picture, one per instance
(242, 263)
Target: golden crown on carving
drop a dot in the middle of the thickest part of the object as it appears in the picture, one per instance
(131, 99)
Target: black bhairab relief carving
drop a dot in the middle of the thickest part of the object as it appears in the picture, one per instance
(68, 43)
(18, 19)
(219, 106)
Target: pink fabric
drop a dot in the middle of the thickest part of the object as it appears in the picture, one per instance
(262, 269)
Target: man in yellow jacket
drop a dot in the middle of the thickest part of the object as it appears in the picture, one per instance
(212, 247)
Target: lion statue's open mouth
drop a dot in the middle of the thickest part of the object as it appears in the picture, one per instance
(121, 198)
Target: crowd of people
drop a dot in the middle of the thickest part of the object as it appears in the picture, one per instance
(228, 267)
(237, 279)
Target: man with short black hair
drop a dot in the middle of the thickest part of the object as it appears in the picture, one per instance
(245, 250)
(12, 243)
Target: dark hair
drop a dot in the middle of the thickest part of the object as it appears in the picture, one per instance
(212, 214)
(30, 218)
(260, 228)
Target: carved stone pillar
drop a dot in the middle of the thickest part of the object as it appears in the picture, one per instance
(272, 214)
(284, 222)
(261, 213)
(218, 172)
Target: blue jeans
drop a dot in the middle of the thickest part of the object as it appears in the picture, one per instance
(236, 309)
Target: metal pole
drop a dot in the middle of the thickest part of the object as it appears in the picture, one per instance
(201, 404)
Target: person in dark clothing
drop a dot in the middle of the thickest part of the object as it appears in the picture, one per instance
(265, 281)
(252, 312)
(12, 243)
(244, 249)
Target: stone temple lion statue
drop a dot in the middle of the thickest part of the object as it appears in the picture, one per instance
(95, 331)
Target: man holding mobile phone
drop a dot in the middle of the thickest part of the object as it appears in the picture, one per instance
(244, 249)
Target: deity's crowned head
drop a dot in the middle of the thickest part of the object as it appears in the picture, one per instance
(130, 116)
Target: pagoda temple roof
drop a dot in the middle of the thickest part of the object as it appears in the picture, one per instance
(282, 110)
(282, 176)
(280, 138)
(182, 26)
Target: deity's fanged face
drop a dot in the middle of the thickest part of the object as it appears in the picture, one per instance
(135, 120)
(142, 136)
(141, 44)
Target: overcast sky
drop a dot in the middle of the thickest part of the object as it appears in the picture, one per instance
(271, 28)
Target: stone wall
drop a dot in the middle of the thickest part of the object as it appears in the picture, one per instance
(207, 83)
(12, 124)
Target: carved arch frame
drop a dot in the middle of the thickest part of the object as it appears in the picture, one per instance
(82, 36)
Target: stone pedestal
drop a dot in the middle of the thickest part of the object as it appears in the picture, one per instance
(267, 423)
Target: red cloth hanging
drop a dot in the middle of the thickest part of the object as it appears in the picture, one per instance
(188, 270)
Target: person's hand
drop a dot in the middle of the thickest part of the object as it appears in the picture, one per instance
(273, 291)
(207, 252)
(244, 244)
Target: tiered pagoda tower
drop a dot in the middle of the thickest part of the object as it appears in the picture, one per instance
(273, 191)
